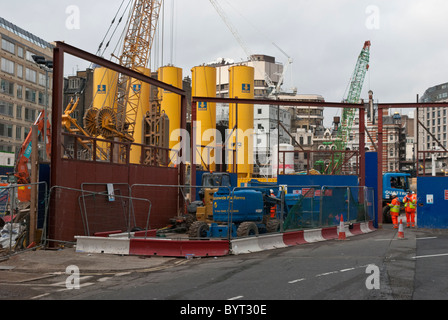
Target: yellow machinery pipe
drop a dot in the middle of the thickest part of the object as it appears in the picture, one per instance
(204, 85)
(171, 103)
(241, 85)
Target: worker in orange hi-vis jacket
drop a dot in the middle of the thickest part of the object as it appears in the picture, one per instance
(395, 209)
(410, 204)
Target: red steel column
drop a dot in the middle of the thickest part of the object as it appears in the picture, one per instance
(56, 137)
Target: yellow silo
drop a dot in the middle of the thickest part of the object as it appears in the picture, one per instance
(171, 102)
(140, 93)
(105, 87)
(204, 85)
(104, 95)
(241, 85)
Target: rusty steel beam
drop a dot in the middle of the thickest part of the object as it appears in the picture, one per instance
(66, 48)
(278, 102)
(404, 105)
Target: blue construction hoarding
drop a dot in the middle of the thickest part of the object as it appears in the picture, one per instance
(432, 202)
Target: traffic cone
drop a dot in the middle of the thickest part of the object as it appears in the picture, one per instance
(341, 235)
(400, 230)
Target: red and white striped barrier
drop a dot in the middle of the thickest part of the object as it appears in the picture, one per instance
(119, 243)
(292, 238)
(151, 246)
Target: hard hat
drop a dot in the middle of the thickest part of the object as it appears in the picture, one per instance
(394, 194)
(272, 191)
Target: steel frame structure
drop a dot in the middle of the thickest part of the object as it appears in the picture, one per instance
(386, 106)
(58, 87)
(57, 111)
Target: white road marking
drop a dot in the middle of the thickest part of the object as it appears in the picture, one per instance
(82, 285)
(431, 255)
(104, 279)
(63, 283)
(426, 238)
(297, 280)
(41, 296)
(236, 298)
(327, 274)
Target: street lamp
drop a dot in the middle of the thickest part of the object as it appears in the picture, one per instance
(46, 65)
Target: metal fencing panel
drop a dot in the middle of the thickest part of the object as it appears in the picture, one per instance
(102, 208)
(20, 218)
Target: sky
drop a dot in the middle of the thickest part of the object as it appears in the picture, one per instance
(408, 54)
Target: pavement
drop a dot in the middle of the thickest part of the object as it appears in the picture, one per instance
(42, 260)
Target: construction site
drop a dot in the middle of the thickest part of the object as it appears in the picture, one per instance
(173, 162)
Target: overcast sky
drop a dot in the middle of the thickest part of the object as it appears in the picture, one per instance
(409, 38)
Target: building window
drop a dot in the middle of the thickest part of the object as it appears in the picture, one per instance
(30, 95)
(41, 98)
(7, 66)
(19, 112)
(20, 52)
(42, 80)
(6, 87)
(18, 133)
(6, 108)
(29, 56)
(30, 114)
(20, 71)
(8, 46)
(6, 130)
(31, 75)
(19, 92)
(73, 83)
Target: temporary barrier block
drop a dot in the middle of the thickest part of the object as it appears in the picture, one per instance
(292, 238)
(178, 248)
(330, 233)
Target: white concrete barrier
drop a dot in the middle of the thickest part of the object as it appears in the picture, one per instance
(313, 235)
(271, 241)
(102, 245)
(245, 245)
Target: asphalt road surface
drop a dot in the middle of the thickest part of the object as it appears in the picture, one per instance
(374, 266)
(377, 265)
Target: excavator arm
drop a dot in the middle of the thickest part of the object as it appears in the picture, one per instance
(21, 169)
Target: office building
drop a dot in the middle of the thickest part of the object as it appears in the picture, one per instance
(23, 84)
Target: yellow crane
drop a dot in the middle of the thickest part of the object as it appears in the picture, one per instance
(119, 121)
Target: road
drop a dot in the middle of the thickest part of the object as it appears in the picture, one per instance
(373, 266)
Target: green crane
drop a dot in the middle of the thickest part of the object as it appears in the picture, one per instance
(348, 114)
